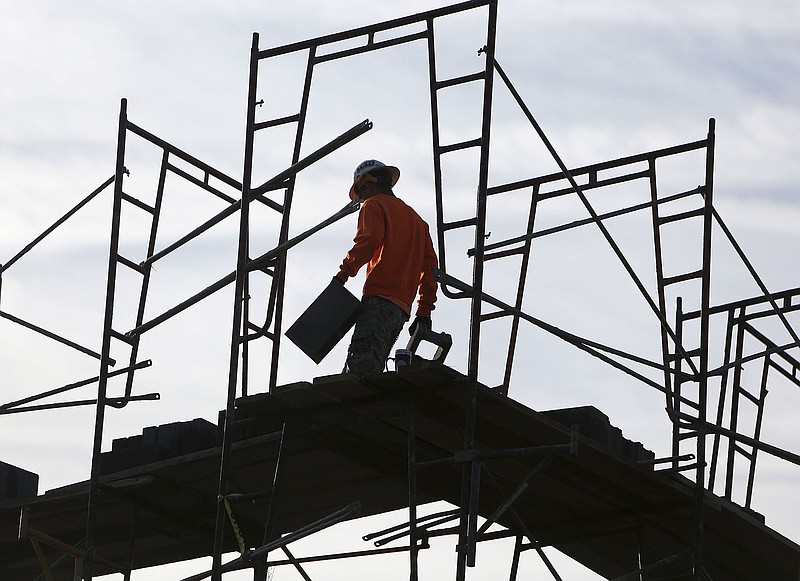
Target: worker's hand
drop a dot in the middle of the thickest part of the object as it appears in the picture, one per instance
(419, 322)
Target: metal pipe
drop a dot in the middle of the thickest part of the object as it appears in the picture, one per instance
(56, 224)
(523, 528)
(789, 376)
(658, 256)
(366, 30)
(205, 293)
(423, 524)
(764, 447)
(146, 271)
(723, 392)
(236, 326)
(675, 400)
(583, 222)
(445, 516)
(279, 276)
(203, 184)
(705, 305)
(266, 258)
(341, 515)
(298, 166)
(53, 336)
(273, 499)
(481, 203)
(652, 566)
(412, 489)
(26, 532)
(71, 386)
(786, 295)
(296, 564)
(471, 471)
(278, 180)
(133, 128)
(751, 269)
(117, 401)
(579, 342)
(523, 276)
(515, 559)
(238, 564)
(772, 350)
(520, 488)
(107, 334)
(255, 264)
(131, 545)
(437, 151)
(757, 431)
(370, 46)
(229, 211)
(594, 168)
(670, 459)
(606, 234)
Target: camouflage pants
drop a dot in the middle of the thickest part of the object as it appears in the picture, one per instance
(377, 329)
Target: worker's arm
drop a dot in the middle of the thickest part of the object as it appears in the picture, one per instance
(427, 282)
(368, 238)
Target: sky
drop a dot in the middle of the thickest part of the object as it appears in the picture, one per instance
(605, 79)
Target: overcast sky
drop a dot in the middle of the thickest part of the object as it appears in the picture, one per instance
(605, 80)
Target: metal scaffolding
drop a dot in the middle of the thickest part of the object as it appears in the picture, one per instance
(703, 401)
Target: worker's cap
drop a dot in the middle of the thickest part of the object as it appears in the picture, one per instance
(366, 167)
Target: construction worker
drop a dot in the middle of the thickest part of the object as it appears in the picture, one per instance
(395, 244)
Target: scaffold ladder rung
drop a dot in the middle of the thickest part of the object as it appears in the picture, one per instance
(277, 122)
(469, 222)
(122, 337)
(666, 281)
(479, 76)
(698, 213)
(130, 264)
(138, 203)
(459, 146)
(674, 356)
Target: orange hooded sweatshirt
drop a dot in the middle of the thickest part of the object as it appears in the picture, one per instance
(395, 244)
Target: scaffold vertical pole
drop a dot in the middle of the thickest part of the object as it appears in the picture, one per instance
(470, 478)
(481, 203)
(412, 491)
(705, 307)
(279, 279)
(105, 352)
(236, 327)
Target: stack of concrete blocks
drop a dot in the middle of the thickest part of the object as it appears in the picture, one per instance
(158, 443)
(594, 424)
